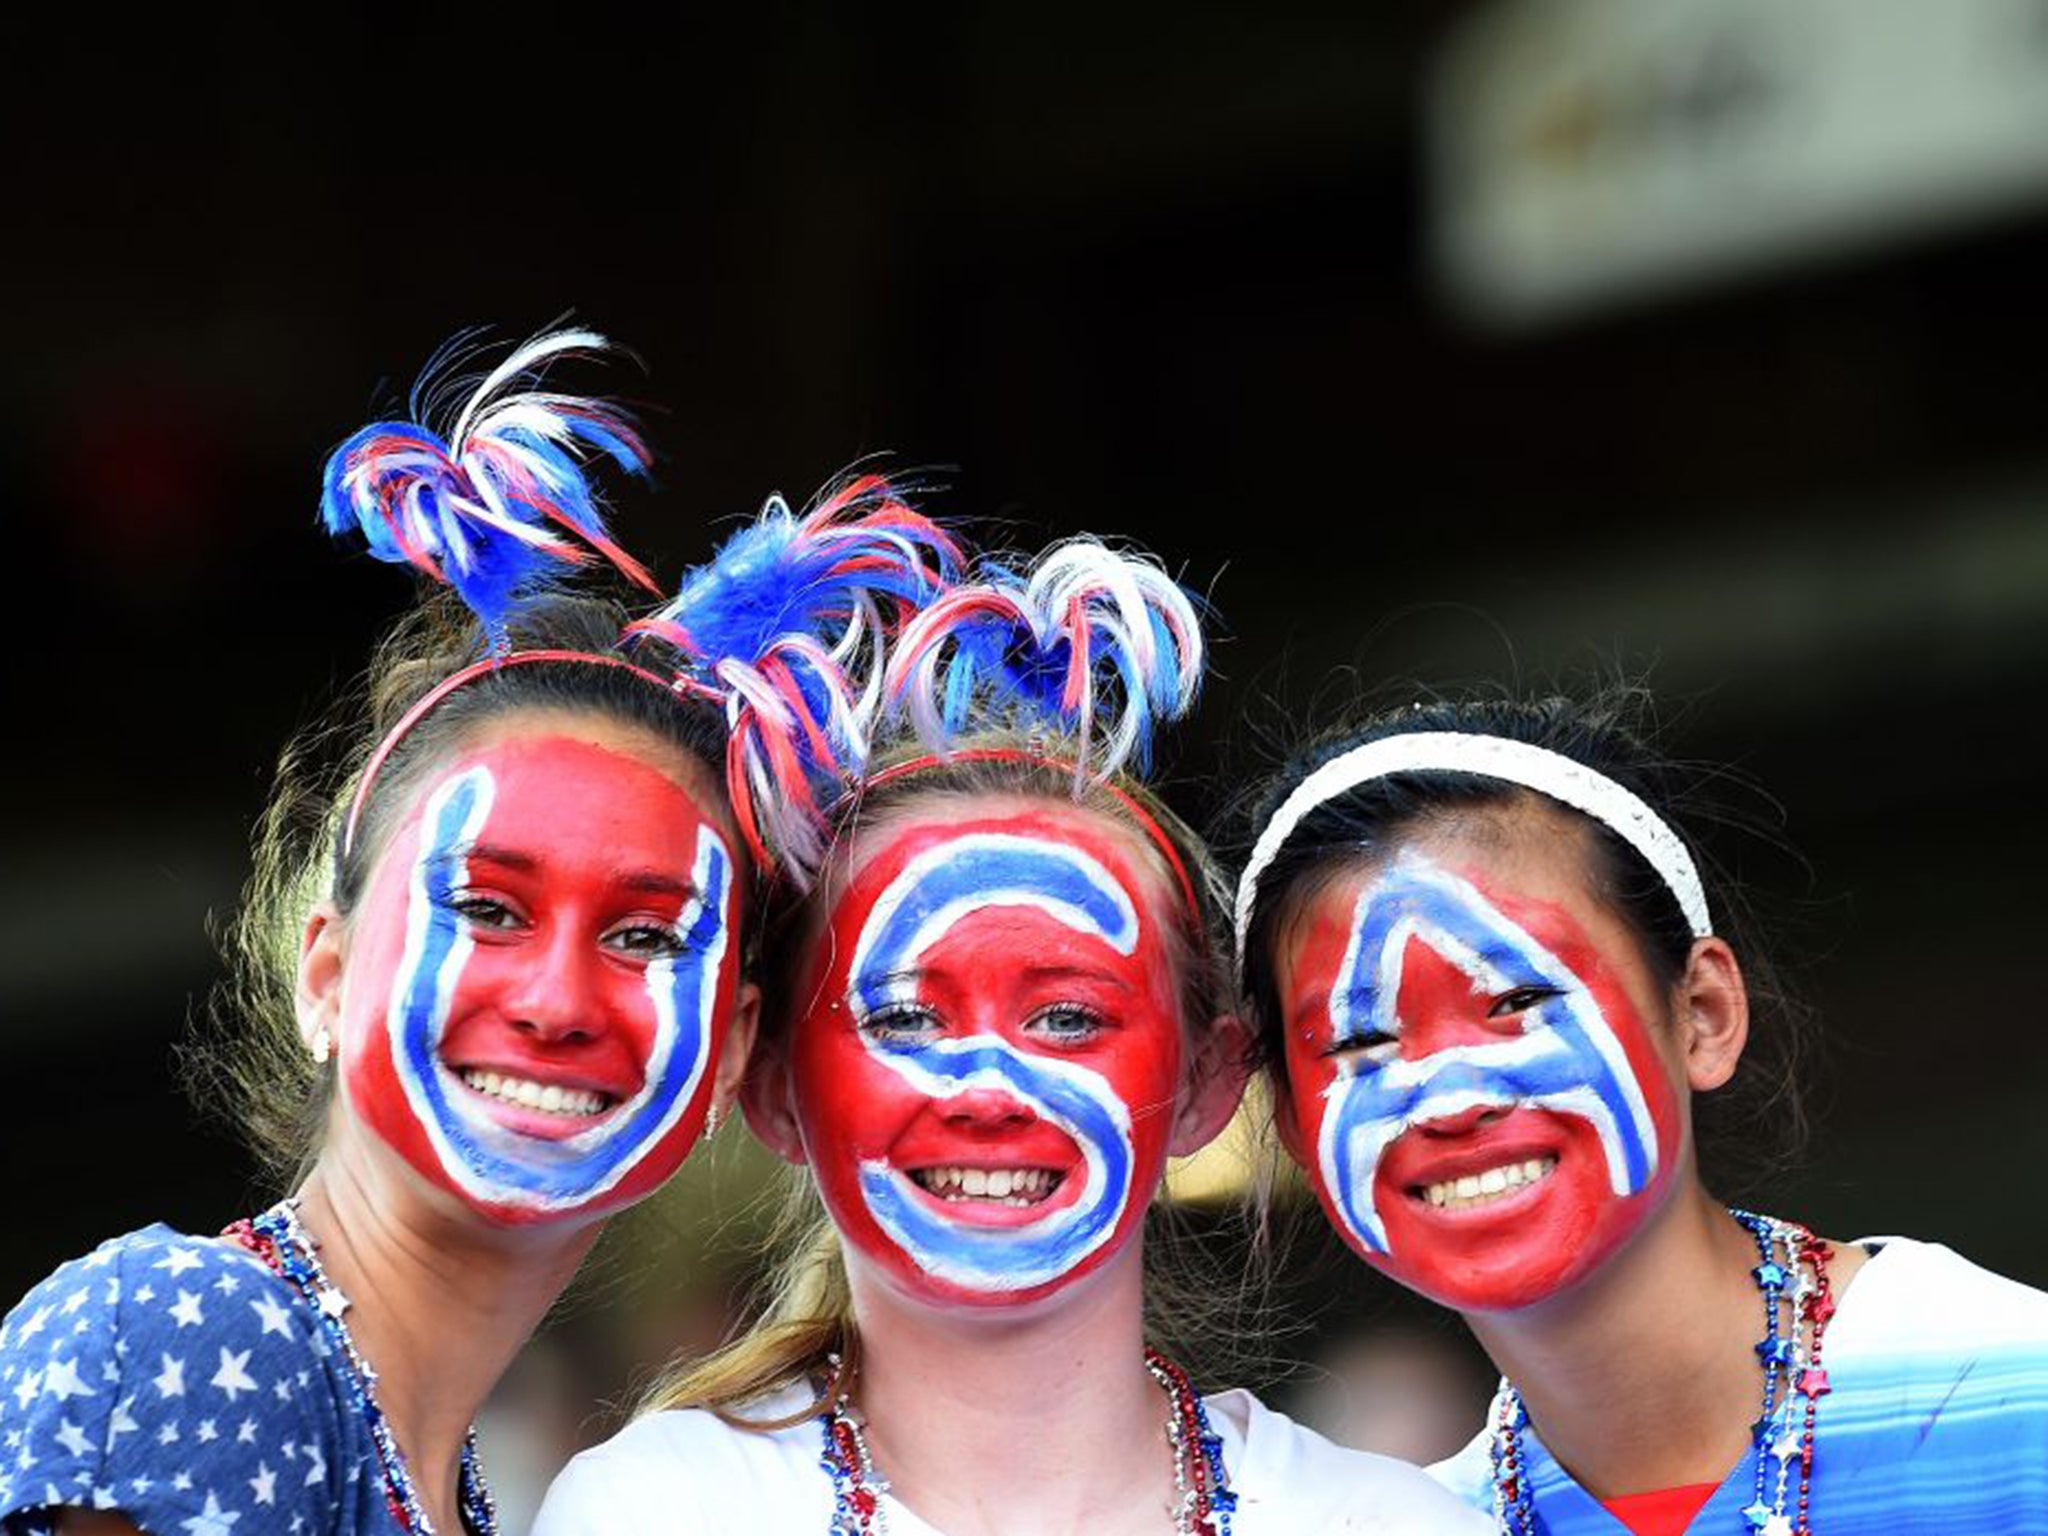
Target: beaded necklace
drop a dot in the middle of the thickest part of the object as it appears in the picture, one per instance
(1790, 1259)
(1204, 1502)
(278, 1238)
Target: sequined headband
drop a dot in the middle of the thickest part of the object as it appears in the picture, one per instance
(1570, 783)
(1147, 823)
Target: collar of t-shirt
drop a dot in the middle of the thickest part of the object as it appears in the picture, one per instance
(1667, 1512)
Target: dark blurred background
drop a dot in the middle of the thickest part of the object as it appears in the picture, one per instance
(1438, 340)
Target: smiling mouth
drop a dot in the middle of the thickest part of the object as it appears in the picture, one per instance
(1475, 1189)
(545, 1098)
(1003, 1186)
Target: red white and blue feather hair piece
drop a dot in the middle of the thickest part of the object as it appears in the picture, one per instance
(1093, 644)
(787, 628)
(501, 506)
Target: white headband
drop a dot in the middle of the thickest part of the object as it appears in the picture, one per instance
(1494, 757)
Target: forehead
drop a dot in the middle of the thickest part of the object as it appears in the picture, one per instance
(903, 832)
(575, 779)
(1533, 860)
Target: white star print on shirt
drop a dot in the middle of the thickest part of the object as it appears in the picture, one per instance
(212, 1520)
(232, 1377)
(96, 1404)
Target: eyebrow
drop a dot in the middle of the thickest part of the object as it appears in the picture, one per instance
(647, 881)
(1100, 975)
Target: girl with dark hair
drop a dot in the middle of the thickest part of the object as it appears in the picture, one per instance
(996, 1009)
(493, 993)
(1492, 984)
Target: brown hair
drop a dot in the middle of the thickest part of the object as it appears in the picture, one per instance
(245, 1058)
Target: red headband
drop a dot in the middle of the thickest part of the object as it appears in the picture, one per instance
(433, 697)
(1130, 803)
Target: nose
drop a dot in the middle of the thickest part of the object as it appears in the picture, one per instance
(1462, 1123)
(987, 1109)
(556, 995)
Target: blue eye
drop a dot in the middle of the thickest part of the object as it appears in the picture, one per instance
(1066, 1024)
(901, 1024)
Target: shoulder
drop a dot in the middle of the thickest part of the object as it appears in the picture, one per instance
(690, 1465)
(1923, 1300)
(157, 1373)
(1468, 1472)
(1289, 1478)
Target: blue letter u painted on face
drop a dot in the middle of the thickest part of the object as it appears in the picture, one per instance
(934, 892)
(487, 1161)
(1567, 1060)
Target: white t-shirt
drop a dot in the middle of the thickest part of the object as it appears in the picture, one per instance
(687, 1473)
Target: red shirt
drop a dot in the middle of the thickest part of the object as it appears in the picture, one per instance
(1667, 1512)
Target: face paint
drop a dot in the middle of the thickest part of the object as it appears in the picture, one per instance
(986, 1080)
(1486, 1113)
(538, 977)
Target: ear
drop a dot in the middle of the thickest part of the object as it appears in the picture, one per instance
(1713, 1014)
(738, 1047)
(323, 952)
(1212, 1086)
(768, 1100)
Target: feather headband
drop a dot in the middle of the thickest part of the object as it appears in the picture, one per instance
(1094, 644)
(501, 506)
(787, 629)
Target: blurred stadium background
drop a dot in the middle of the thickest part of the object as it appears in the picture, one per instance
(1436, 340)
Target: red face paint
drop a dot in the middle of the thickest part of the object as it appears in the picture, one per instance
(985, 1077)
(538, 975)
(1484, 1112)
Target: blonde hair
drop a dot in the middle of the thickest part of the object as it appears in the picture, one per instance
(806, 1330)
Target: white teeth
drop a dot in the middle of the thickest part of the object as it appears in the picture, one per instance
(1012, 1186)
(548, 1098)
(1476, 1189)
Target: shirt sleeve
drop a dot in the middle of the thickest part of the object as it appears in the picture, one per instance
(175, 1380)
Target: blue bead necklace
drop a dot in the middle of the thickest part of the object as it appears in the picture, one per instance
(1791, 1280)
(278, 1238)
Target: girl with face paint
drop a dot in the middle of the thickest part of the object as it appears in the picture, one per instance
(994, 1014)
(1490, 983)
(514, 1005)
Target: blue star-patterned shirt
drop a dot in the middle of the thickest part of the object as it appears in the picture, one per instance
(179, 1381)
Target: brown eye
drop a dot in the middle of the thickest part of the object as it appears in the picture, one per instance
(646, 941)
(1373, 1045)
(1521, 1000)
(483, 911)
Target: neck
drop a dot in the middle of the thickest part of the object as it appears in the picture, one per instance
(968, 1408)
(440, 1303)
(1643, 1376)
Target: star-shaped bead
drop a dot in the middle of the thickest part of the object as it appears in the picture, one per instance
(1777, 1525)
(1757, 1514)
(1770, 1275)
(1813, 1382)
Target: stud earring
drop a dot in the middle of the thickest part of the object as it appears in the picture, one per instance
(322, 1046)
(711, 1122)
